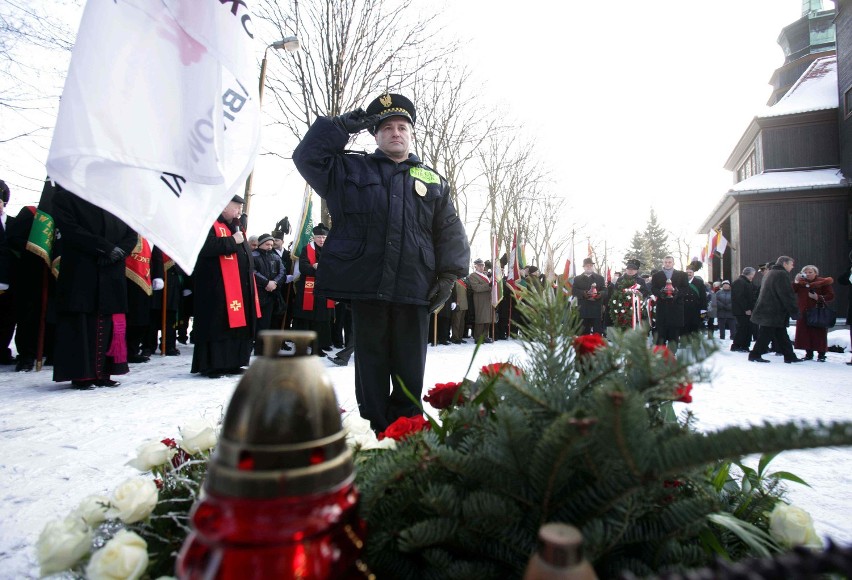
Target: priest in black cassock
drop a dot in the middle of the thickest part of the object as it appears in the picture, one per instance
(226, 307)
(91, 293)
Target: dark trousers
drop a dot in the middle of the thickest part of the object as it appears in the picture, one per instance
(593, 326)
(668, 336)
(152, 339)
(727, 324)
(263, 323)
(7, 326)
(742, 336)
(390, 343)
(778, 336)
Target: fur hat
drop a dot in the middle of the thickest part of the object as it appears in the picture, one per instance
(632, 264)
(320, 230)
(391, 105)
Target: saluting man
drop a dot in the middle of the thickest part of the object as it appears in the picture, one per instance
(395, 251)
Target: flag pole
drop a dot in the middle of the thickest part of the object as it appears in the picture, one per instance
(41, 319)
(163, 315)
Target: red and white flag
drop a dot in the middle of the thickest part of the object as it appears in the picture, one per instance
(159, 119)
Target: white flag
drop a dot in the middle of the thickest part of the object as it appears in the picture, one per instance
(159, 120)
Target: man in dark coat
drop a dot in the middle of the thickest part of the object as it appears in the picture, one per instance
(226, 306)
(91, 293)
(7, 265)
(743, 297)
(396, 249)
(589, 289)
(694, 301)
(776, 303)
(669, 286)
(268, 274)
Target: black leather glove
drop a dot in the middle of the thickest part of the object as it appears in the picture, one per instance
(440, 291)
(355, 121)
(115, 255)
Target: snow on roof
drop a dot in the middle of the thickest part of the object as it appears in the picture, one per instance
(816, 90)
(779, 180)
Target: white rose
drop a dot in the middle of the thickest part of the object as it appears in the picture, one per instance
(125, 556)
(92, 510)
(198, 436)
(793, 526)
(151, 455)
(359, 434)
(61, 544)
(133, 500)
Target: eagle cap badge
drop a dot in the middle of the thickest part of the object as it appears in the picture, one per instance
(386, 100)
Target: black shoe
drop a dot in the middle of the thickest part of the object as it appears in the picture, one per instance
(106, 383)
(809, 356)
(236, 371)
(793, 360)
(172, 352)
(182, 340)
(213, 375)
(24, 365)
(778, 354)
(147, 352)
(321, 353)
(444, 342)
(757, 359)
(337, 345)
(487, 341)
(339, 361)
(138, 358)
(821, 358)
(286, 347)
(327, 348)
(83, 385)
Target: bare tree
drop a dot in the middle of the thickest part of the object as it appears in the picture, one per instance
(35, 46)
(352, 51)
(452, 124)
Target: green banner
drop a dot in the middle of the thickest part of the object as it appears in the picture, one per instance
(306, 225)
(40, 241)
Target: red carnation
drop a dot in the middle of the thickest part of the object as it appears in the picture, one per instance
(170, 443)
(403, 427)
(497, 369)
(682, 392)
(443, 395)
(588, 343)
(664, 352)
(180, 458)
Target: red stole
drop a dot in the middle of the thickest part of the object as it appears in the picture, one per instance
(310, 282)
(138, 265)
(231, 278)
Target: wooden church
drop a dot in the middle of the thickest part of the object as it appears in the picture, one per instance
(791, 193)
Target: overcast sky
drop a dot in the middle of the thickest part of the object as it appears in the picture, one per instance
(631, 105)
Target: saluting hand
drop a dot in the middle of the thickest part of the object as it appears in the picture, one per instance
(355, 121)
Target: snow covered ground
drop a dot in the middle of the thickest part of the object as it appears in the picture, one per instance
(59, 445)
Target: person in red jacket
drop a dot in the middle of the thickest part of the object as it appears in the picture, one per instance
(811, 291)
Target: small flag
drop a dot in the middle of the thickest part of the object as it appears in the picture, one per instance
(496, 275)
(721, 244)
(159, 121)
(304, 231)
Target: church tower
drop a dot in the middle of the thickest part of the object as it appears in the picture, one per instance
(803, 41)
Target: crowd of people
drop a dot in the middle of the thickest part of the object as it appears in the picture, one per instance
(397, 254)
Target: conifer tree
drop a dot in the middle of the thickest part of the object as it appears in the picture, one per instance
(657, 242)
(584, 434)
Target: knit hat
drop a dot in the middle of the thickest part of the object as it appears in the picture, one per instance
(263, 238)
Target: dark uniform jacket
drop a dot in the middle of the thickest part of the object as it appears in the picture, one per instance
(776, 302)
(694, 300)
(172, 282)
(743, 296)
(670, 310)
(268, 268)
(388, 242)
(86, 282)
(582, 284)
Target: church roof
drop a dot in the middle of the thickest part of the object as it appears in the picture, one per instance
(816, 90)
(781, 180)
